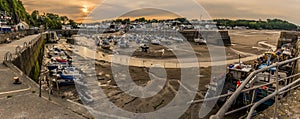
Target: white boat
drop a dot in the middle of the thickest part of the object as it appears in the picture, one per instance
(200, 41)
(155, 42)
(69, 73)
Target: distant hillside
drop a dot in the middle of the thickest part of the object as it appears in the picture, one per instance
(15, 9)
(276, 24)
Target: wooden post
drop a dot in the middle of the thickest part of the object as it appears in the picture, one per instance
(57, 86)
(49, 86)
(40, 87)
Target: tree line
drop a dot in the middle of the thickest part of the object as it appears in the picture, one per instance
(270, 24)
(276, 24)
(50, 20)
(17, 11)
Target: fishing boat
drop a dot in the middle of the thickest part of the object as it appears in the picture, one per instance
(69, 73)
(61, 60)
(200, 41)
(54, 64)
(237, 73)
(268, 59)
(66, 75)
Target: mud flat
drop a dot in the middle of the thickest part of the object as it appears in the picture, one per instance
(243, 40)
(247, 40)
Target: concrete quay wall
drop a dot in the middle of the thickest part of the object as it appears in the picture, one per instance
(28, 57)
(17, 35)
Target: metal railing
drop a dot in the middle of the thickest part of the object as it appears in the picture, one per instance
(276, 93)
(243, 91)
(222, 112)
(9, 57)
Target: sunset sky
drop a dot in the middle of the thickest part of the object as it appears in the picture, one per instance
(232, 9)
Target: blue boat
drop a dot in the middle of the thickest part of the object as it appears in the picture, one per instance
(69, 73)
(263, 65)
(53, 64)
(52, 67)
(66, 75)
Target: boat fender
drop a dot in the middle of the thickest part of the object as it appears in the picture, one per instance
(238, 84)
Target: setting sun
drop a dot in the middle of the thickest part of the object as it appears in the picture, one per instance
(85, 9)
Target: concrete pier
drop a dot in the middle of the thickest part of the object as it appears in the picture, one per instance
(22, 101)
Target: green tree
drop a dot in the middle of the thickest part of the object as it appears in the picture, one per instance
(34, 18)
(118, 20)
(126, 21)
(73, 24)
(35, 15)
(64, 19)
(140, 19)
(253, 24)
(15, 9)
(154, 21)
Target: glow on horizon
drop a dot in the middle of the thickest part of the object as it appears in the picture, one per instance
(233, 9)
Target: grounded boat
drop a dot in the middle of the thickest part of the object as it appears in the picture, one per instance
(155, 42)
(66, 75)
(268, 59)
(200, 41)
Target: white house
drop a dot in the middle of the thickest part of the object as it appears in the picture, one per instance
(22, 26)
(66, 27)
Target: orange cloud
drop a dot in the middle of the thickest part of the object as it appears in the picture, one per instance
(233, 9)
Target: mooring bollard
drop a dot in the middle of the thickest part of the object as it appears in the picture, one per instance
(17, 80)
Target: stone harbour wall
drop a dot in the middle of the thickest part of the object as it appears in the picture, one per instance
(29, 57)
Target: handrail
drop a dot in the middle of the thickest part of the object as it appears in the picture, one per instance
(19, 49)
(289, 89)
(221, 113)
(245, 90)
(270, 96)
(259, 86)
